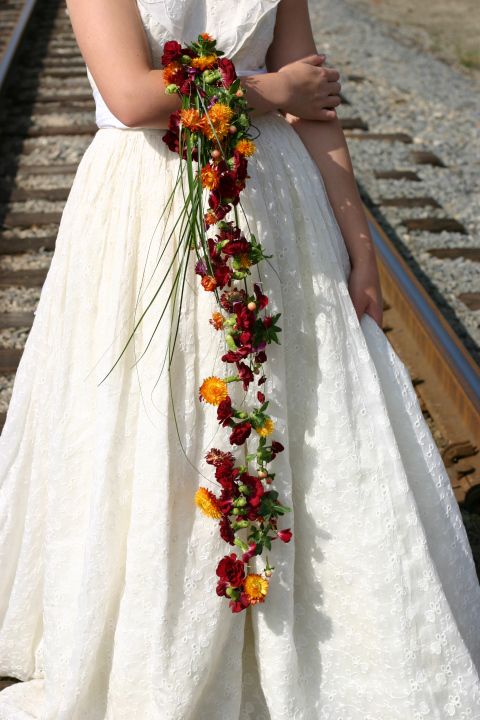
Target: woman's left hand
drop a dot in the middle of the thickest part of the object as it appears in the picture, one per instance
(365, 291)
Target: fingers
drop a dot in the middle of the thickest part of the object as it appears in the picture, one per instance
(314, 59)
(326, 114)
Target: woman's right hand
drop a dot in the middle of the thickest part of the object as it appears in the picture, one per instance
(311, 91)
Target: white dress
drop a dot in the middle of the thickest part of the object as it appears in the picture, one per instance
(108, 609)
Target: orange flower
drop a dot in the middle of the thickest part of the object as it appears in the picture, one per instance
(213, 390)
(208, 503)
(217, 320)
(208, 283)
(220, 117)
(256, 587)
(190, 118)
(206, 36)
(204, 61)
(245, 147)
(210, 218)
(172, 73)
(210, 177)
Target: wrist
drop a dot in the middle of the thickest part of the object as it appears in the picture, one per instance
(265, 91)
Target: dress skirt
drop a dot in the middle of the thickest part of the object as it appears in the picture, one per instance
(108, 609)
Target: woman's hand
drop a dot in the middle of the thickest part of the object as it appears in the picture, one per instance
(365, 291)
(311, 92)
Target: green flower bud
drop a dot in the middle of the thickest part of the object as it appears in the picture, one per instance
(171, 89)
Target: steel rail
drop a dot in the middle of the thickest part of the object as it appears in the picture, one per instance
(13, 44)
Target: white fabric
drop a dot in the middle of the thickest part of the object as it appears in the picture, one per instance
(108, 608)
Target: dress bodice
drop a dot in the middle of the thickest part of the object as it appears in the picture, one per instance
(243, 30)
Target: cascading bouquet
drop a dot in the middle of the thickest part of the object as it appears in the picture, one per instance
(212, 130)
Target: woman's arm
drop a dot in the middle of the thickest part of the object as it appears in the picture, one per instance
(326, 143)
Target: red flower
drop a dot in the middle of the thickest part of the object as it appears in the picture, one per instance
(245, 317)
(240, 433)
(236, 247)
(245, 374)
(225, 411)
(218, 457)
(240, 604)
(240, 165)
(260, 397)
(277, 446)
(231, 570)
(256, 489)
(235, 355)
(226, 531)
(261, 357)
(252, 550)
(223, 274)
(262, 300)
(285, 535)
(227, 70)
(172, 50)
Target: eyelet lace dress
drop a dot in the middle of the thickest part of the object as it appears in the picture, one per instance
(108, 608)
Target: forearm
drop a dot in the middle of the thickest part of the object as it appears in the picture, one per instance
(326, 144)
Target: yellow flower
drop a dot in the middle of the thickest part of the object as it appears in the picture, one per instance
(204, 61)
(256, 587)
(266, 428)
(214, 390)
(220, 117)
(208, 503)
(245, 147)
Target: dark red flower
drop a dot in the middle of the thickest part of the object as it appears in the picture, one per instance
(262, 300)
(240, 433)
(228, 297)
(277, 446)
(223, 274)
(240, 165)
(225, 411)
(260, 397)
(226, 185)
(231, 569)
(227, 69)
(245, 374)
(235, 355)
(218, 457)
(245, 317)
(261, 357)
(226, 531)
(236, 247)
(172, 50)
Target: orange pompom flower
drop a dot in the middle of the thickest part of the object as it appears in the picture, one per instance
(190, 118)
(210, 177)
(204, 61)
(208, 283)
(208, 503)
(217, 320)
(206, 36)
(220, 116)
(213, 390)
(245, 147)
(255, 587)
(266, 428)
(210, 218)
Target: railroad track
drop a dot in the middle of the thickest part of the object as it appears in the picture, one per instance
(46, 123)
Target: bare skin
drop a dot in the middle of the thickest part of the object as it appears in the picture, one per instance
(112, 40)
